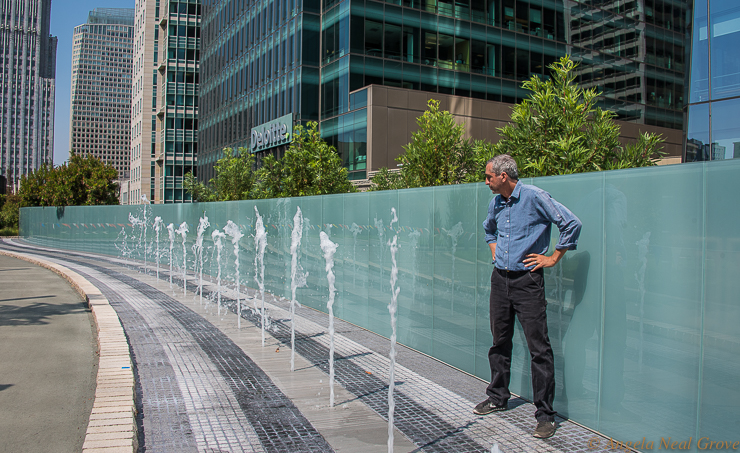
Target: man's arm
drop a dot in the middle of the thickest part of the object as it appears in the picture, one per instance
(493, 250)
(570, 229)
(540, 261)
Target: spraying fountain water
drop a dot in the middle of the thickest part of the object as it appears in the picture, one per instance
(123, 248)
(297, 278)
(217, 237)
(198, 249)
(136, 222)
(145, 202)
(392, 309)
(157, 228)
(355, 230)
(183, 232)
(234, 231)
(171, 232)
(260, 242)
(454, 233)
(329, 248)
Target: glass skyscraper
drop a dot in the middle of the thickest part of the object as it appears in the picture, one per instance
(177, 125)
(27, 81)
(714, 92)
(313, 59)
(102, 52)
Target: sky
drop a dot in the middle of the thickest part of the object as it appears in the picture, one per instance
(65, 16)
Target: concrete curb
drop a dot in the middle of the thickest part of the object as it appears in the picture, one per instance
(112, 425)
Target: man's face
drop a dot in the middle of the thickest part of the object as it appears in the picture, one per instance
(493, 181)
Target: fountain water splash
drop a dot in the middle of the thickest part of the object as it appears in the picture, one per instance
(171, 232)
(355, 230)
(203, 225)
(454, 234)
(297, 278)
(217, 237)
(145, 202)
(329, 248)
(137, 223)
(260, 243)
(182, 230)
(234, 231)
(392, 309)
(158, 223)
(123, 248)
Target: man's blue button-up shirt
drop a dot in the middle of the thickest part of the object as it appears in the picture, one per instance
(521, 225)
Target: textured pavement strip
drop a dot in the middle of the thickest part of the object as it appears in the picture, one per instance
(276, 421)
(512, 430)
(210, 402)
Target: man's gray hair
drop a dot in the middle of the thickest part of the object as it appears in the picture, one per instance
(503, 163)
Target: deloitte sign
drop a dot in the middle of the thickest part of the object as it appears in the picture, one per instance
(271, 134)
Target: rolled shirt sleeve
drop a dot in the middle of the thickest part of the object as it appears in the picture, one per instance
(489, 225)
(567, 223)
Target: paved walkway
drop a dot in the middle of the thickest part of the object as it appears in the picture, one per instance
(204, 384)
(47, 361)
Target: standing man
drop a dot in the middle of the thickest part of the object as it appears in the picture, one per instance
(518, 231)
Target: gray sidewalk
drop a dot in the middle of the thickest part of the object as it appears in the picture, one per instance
(205, 385)
(47, 361)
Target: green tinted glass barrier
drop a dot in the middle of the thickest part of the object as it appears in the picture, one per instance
(643, 317)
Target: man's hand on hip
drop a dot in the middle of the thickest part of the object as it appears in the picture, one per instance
(542, 261)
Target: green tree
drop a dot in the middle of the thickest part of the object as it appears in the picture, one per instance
(310, 167)
(84, 180)
(234, 179)
(437, 155)
(9, 214)
(559, 129)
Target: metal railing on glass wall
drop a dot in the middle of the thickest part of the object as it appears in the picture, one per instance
(643, 315)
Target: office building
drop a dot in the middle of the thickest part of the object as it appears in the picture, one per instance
(177, 108)
(100, 105)
(326, 62)
(28, 71)
(714, 91)
(144, 103)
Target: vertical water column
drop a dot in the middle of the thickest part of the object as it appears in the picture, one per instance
(217, 237)
(171, 232)
(329, 248)
(260, 243)
(392, 309)
(234, 231)
(203, 225)
(297, 278)
(157, 228)
(183, 232)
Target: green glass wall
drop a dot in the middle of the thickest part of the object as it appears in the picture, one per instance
(642, 317)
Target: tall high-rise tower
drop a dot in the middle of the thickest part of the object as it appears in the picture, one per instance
(143, 102)
(27, 74)
(100, 107)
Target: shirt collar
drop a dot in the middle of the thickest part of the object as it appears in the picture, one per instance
(517, 189)
(514, 194)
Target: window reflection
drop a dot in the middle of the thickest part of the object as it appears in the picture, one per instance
(697, 136)
(725, 133)
(725, 23)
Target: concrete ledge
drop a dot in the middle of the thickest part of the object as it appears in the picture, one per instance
(112, 425)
